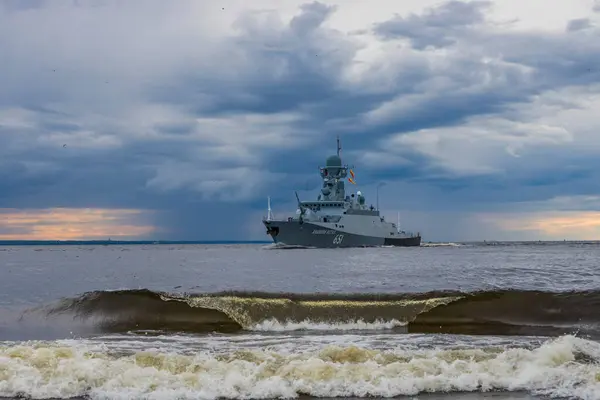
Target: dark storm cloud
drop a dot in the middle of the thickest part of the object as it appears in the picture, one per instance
(437, 27)
(290, 72)
(206, 131)
(21, 5)
(578, 24)
(275, 68)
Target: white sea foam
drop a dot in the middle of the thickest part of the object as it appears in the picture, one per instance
(442, 244)
(562, 367)
(291, 342)
(273, 325)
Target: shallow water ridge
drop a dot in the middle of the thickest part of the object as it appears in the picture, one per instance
(508, 320)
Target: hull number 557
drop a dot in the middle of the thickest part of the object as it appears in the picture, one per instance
(337, 239)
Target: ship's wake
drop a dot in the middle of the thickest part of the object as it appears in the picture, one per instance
(283, 246)
(442, 244)
(501, 312)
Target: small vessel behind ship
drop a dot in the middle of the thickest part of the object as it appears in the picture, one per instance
(336, 219)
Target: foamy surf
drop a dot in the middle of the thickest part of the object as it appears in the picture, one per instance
(273, 325)
(566, 367)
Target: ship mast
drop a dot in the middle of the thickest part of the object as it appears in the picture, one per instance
(269, 211)
(333, 174)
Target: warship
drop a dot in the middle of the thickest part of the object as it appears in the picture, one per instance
(336, 219)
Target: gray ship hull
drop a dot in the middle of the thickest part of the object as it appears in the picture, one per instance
(307, 234)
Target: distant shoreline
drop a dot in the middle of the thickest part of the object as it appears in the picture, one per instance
(122, 242)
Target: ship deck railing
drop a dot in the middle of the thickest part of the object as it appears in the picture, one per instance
(274, 218)
(410, 234)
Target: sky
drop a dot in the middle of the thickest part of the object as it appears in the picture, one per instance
(174, 120)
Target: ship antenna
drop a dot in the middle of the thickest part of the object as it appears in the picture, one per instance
(269, 212)
(338, 145)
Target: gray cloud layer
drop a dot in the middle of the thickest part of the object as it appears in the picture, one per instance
(119, 105)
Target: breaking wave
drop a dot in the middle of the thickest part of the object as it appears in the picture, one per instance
(486, 312)
(566, 367)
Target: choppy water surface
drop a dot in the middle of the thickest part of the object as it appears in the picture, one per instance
(470, 321)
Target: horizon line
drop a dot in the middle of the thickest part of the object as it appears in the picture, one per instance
(118, 241)
(133, 242)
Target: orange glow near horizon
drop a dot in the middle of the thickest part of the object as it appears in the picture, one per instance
(578, 225)
(71, 224)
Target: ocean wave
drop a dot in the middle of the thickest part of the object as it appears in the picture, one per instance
(563, 367)
(486, 312)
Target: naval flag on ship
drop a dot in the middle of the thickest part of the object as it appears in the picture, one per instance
(351, 180)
